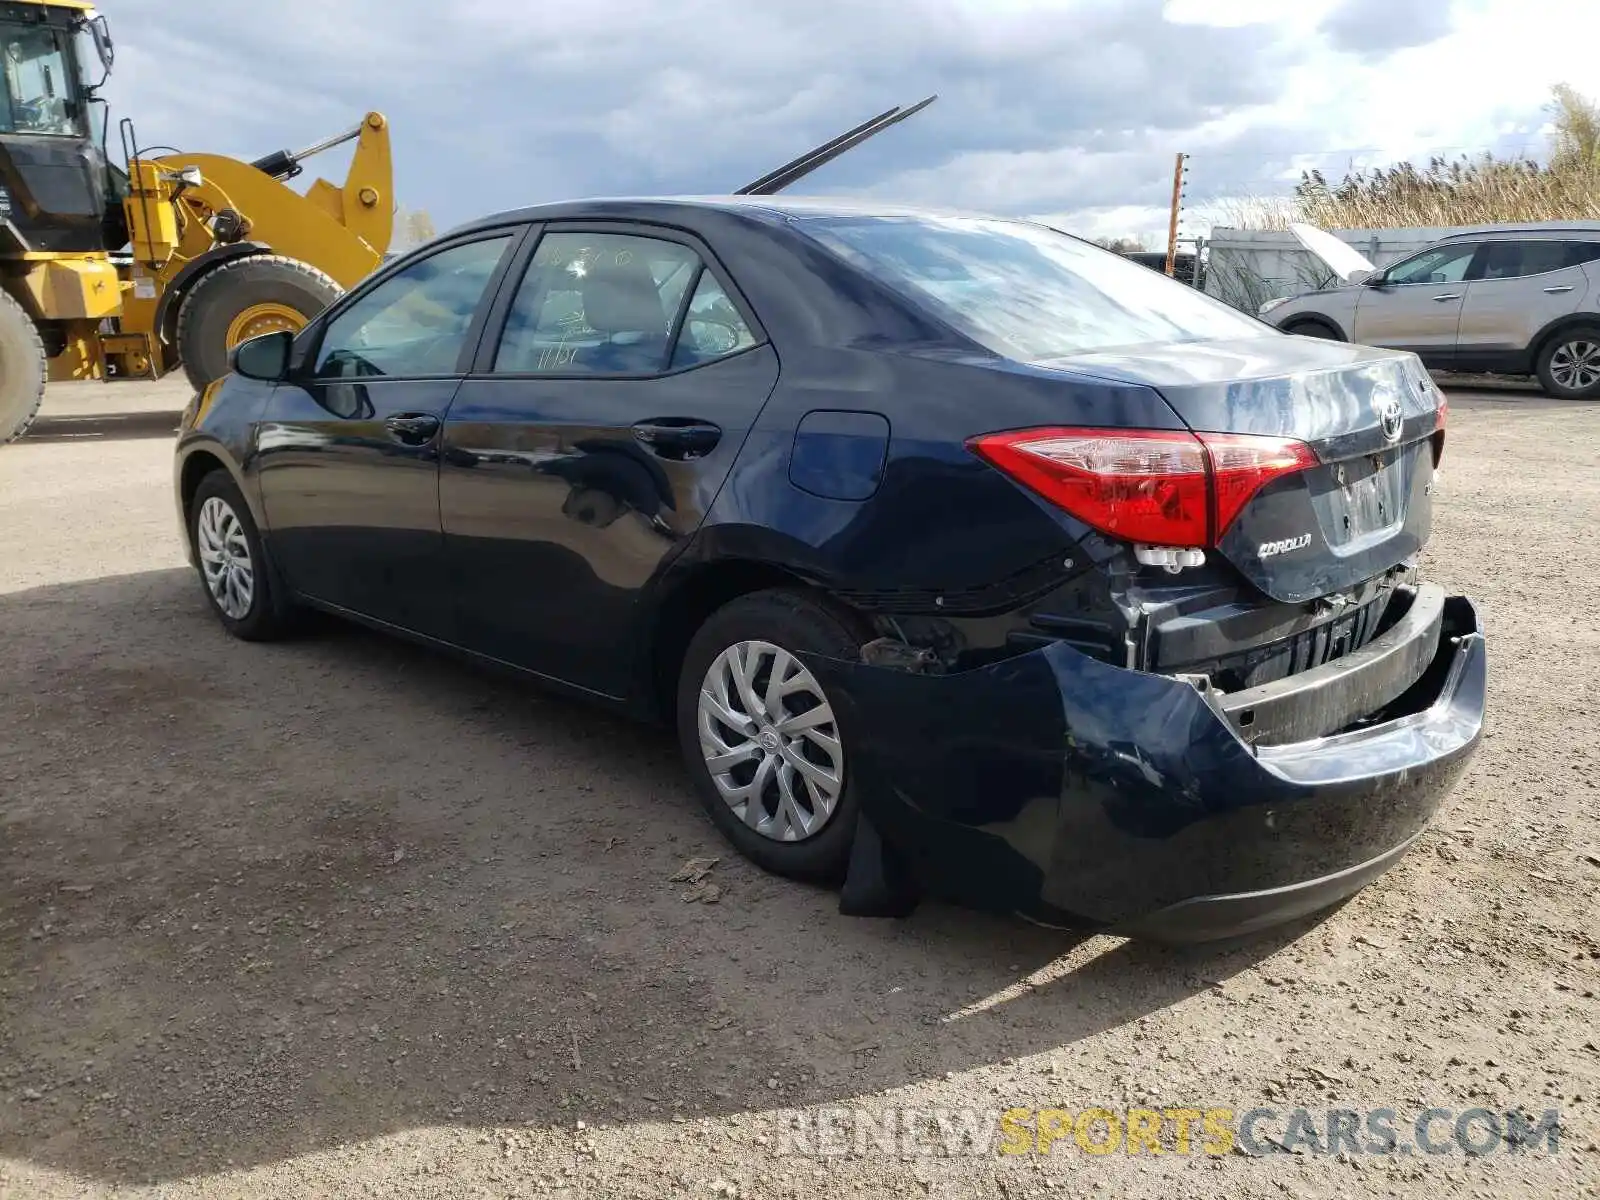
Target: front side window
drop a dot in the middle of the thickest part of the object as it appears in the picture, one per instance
(415, 322)
(1442, 264)
(1025, 291)
(597, 304)
(40, 93)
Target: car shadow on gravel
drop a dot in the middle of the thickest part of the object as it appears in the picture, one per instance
(263, 901)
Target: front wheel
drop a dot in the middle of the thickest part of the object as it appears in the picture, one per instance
(1569, 364)
(761, 737)
(1316, 329)
(232, 565)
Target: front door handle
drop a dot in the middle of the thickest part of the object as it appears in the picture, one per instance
(1451, 296)
(1556, 291)
(412, 429)
(678, 437)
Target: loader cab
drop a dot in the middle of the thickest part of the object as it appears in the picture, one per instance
(53, 171)
(40, 94)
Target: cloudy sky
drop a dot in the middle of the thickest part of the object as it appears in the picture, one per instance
(1063, 107)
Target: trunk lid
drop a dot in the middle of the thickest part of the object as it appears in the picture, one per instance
(1370, 415)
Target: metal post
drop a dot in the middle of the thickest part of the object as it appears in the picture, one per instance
(1177, 203)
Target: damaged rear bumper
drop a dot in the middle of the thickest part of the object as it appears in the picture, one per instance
(1073, 792)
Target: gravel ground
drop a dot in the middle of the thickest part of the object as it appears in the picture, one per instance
(339, 917)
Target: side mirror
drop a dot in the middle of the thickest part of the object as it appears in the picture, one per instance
(105, 49)
(1369, 278)
(265, 358)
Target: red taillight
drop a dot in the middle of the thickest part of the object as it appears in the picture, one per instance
(1139, 485)
(1156, 487)
(1243, 464)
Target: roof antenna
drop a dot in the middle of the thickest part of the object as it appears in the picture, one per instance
(797, 169)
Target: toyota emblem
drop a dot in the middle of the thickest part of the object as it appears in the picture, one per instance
(1391, 416)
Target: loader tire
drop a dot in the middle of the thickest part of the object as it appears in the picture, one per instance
(22, 369)
(242, 299)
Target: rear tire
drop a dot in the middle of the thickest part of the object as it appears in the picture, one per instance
(1569, 364)
(773, 828)
(242, 299)
(22, 369)
(232, 565)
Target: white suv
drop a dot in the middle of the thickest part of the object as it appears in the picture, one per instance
(1513, 301)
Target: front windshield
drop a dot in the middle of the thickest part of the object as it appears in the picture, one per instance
(1028, 292)
(39, 86)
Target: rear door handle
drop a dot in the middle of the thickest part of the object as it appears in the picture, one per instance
(678, 437)
(1451, 296)
(412, 429)
(1555, 291)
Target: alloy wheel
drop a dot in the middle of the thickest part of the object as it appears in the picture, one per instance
(225, 561)
(1576, 364)
(770, 741)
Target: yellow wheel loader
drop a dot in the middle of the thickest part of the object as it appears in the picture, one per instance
(110, 273)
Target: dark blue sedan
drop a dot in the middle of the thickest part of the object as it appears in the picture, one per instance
(966, 558)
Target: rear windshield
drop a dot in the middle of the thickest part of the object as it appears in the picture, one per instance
(1027, 292)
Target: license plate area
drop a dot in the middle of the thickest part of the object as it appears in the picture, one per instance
(1365, 496)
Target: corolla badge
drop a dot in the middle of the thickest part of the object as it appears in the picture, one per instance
(1285, 546)
(1391, 416)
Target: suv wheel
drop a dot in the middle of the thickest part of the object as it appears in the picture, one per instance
(761, 737)
(1569, 364)
(1313, 328)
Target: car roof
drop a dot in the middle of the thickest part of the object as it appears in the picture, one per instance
(1529, 230)
(688, 208)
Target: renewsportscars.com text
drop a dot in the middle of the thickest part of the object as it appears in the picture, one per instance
(1214, 1131)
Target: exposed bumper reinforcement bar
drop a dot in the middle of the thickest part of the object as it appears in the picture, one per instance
(1331, 697)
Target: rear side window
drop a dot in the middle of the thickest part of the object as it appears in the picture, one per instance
(712, 328)
(1579, 253)
(615, 304)
(1513, 260)
(1027, 292)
